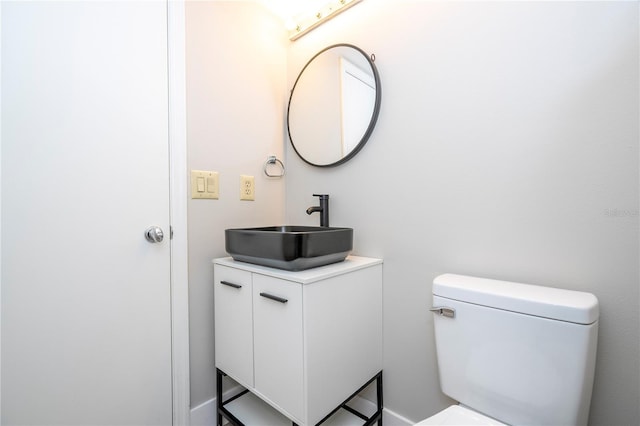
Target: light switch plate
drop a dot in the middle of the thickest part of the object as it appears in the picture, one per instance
(204, 185)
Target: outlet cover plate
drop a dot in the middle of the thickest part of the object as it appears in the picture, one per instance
(247, 188)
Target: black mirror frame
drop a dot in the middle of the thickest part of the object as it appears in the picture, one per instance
(374, 116)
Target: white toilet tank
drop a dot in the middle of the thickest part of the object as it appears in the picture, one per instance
(522, 354)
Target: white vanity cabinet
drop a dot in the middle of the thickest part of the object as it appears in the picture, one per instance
(301, 341)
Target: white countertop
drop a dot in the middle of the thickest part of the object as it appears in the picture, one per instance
(351, 263)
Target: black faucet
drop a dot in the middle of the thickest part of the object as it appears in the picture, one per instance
(323, 208)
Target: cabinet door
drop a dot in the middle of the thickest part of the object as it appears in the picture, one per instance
(234, 323)
(278, 357)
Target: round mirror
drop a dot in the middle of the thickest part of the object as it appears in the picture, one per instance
(334, 105)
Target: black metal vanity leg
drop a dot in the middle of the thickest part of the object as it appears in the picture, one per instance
(218, 397)
(379, 395)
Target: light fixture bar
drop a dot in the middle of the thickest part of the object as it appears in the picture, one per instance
(306, 23)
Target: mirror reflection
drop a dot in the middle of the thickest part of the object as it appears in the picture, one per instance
(334, 105)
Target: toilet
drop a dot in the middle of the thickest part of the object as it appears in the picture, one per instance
(512, 353)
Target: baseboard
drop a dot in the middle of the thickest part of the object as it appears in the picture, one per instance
(389, 418)
(205, 413)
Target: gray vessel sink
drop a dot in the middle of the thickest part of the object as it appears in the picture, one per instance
(293, 248)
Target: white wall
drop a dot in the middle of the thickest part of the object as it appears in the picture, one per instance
(236, 77)
(507, 147)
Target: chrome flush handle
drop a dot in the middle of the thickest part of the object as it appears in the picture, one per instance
(444, 311)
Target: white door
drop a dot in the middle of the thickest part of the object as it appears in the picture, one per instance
(86, 335)
(358, 99)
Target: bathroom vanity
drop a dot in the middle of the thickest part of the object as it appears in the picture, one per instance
(303, 342)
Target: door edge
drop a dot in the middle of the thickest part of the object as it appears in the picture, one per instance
(176, 54)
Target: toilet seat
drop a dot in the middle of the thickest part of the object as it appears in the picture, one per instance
(458, 415)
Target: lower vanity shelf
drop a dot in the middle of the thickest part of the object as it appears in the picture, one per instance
(245, 408)
(303, 342)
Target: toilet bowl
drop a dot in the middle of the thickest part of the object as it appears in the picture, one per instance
(517, 353)
(459, 415)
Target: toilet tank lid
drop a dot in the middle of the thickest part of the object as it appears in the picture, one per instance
(547, 302)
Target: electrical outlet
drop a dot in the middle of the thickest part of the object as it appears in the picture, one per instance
(247, 188)
(204, 185)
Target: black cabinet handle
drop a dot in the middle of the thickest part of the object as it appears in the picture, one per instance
(272, 297)
(231, 284)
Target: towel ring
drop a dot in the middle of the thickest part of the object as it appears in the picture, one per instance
(273, 160)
